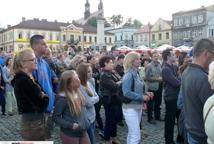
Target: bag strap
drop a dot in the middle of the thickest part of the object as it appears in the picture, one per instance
(208, 112)
(133, 83)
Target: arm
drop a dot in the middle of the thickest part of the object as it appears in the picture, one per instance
(88, 100)
(170, 78)
(126, 87)
(95, 97)
(148, 75)
(4, 75)
(59, 109)
(107, 82)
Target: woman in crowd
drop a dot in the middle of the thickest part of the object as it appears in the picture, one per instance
(87, 89)
(133, 111)
(109, 83)
(209, 109)
(9, 95)
(70, 111)
(31, 100)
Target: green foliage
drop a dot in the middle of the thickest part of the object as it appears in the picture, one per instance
(116, 19)
(92, 22)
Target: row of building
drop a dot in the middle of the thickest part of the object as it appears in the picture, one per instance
(185, 28)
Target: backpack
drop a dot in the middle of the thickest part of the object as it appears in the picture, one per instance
(120, 95)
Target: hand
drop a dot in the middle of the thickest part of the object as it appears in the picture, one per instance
(75, 126)
(119, 82)
(148, 96)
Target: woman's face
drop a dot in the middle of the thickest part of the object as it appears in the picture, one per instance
(137, 62)
(90, 73)
(109, 66)
(75, 82)
(29, 62)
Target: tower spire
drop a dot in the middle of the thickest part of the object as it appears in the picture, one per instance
(100, 9)
(87, 10)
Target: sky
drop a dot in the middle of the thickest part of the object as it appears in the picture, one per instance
(12, 11)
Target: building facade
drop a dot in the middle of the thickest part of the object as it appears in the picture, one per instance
(123, 36)
(57, 35)
(161, 33)
(142, 36)
(190, 26)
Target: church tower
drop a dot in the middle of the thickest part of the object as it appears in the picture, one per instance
(100, 27)
(87, 10)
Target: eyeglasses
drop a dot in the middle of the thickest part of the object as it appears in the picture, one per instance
(33, 60)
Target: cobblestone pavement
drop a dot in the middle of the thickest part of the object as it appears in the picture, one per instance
(151, 134)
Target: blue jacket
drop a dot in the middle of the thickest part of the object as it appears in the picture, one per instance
(137, 94)
(44, 76)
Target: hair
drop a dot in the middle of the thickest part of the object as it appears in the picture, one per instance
(121, 56)
(181, 58)
(7, 61)
(65, 80)
(18, 59)
(89, 57)
(166, 53)
(82, 71)
(129, 60)
(103, 60)
(154, 52)
(76, 60)
(35, 39)
(201, 46)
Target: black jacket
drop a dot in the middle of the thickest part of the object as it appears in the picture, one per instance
(108, 86)
(28, 94)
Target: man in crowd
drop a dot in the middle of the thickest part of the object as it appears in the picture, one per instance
(154, 80)
(171, 85)
(196, 90)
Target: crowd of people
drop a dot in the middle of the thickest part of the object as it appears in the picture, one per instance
(69, 88)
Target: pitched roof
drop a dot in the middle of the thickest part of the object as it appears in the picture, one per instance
(52, 26)
(144, 29)
(208, 8)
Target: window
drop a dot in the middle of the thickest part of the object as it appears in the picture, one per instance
(132, 37)
(200, 18)
(20, 35)
(105, 40)
(80, 38)
(71, 37)
(64, 38)
(175, 22)
(153, 37)
(159, 27)
(110, 40)
(141, 38)
(136, 38)
(90, 39)
(121, 37)
(167, 35)
(187, 21)
(160, 36)
(95, 39)
(180, 21)
(145, 37)
(28, 35)
(194, 19)
(57, 37)
(115, 38)
(51, 36)
(85, 39)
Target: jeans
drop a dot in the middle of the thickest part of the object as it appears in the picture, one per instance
(171, 114)
(192, 140)
(10, 102)
(91, 133)
(111, 116)
(2, 101)
(133, 119)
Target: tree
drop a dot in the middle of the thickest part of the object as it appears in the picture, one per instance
(137, 23)
(116, 19)
(92, 22)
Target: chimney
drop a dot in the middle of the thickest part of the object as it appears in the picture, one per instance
(8, 26)
(55, 21)
(36, 19)
(23, 19)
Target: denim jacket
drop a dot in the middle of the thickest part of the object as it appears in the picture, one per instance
(137, 94)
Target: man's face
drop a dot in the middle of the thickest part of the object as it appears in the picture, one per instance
(40, 47)
(210, 57)
(155, 57)
(172, 57)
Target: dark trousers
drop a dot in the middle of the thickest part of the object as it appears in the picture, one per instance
(154, 105)
(171, 114)
(111, 119)
(98, 117)
(120, 114)
(2, 101)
